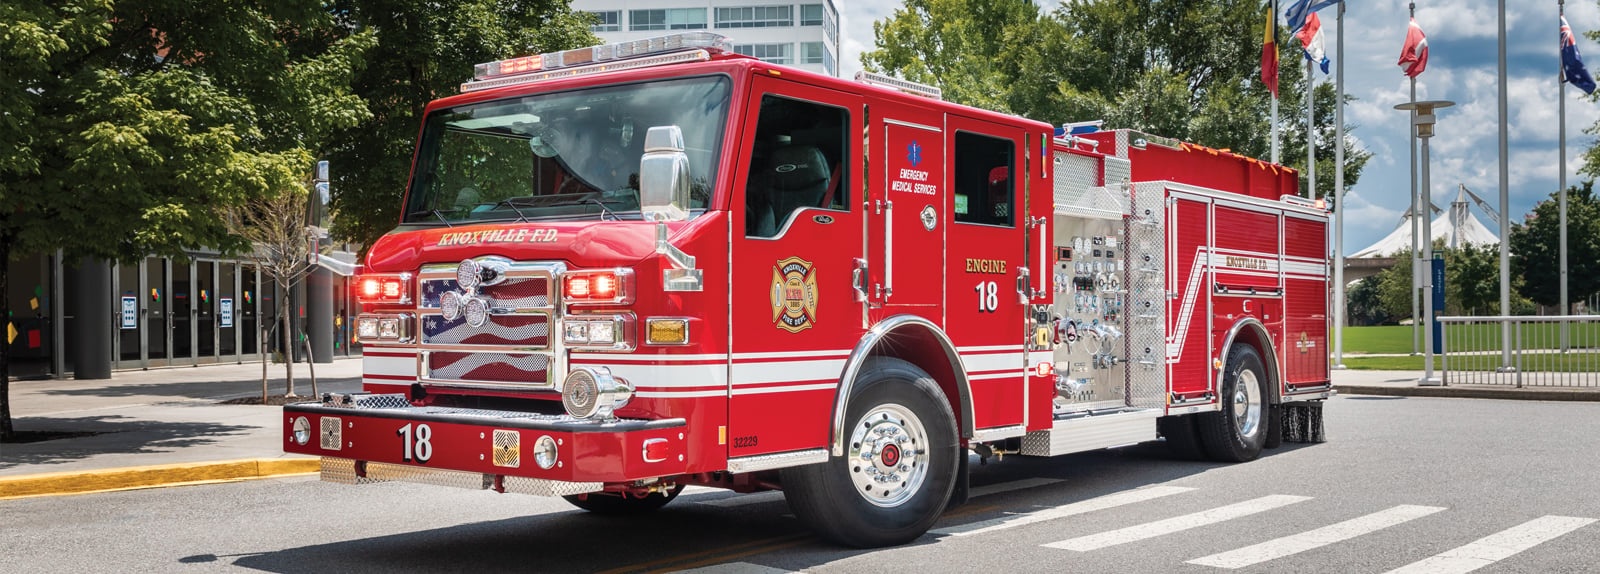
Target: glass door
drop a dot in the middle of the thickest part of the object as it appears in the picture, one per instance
(227, 311)
(249, 312)
(155, 297)
(205, 303)
(183, 310)
(130, 323)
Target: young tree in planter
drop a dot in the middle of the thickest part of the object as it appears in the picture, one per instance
(276, 227)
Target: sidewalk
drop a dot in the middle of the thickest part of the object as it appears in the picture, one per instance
(1404, 383)
(157, 417)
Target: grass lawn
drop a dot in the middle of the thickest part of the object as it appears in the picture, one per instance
(1397, 338)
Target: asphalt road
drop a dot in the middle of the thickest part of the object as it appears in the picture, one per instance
(1440, 485)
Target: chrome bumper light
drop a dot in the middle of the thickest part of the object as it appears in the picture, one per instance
(600, 332)
(591, 392)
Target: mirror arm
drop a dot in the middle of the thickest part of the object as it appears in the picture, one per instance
(682, 276)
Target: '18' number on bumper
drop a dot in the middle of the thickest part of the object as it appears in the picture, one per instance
(416, 445)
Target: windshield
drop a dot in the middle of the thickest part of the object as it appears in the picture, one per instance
(570, 155)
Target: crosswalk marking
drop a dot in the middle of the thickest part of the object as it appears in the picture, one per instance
(1295, 544)
(1177, 524)
(1010, 486)
(1080, 507)
(1496, 547)
(774, 495)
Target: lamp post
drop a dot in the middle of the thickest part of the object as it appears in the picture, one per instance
(1422, 127)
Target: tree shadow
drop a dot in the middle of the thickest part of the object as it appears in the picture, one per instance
(209, 389)
(114, 435)
(689, 535)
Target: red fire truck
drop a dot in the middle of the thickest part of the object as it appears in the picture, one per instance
(628, 268)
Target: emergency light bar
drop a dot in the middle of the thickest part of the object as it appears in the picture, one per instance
(906, 86)
(657, 51)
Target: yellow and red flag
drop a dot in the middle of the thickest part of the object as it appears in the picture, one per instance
(1269, 50)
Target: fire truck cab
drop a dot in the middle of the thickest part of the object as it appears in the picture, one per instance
(625, 269)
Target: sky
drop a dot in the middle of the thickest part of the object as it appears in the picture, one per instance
(1462, 67)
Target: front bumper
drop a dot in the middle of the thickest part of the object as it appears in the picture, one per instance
(373, 438)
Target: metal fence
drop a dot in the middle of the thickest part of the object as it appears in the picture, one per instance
(1543, 351)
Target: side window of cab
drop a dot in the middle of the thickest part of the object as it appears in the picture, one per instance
(798, 161)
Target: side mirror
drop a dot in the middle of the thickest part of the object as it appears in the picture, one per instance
(664, 175)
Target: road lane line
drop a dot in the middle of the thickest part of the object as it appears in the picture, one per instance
(1176, 524)
(702, 553)
(1496, 547)
(1063, 511)
(1297, 543)
(1010, 486)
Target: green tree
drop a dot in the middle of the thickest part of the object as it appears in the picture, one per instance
(1473, 280)
(130, 126)
(425, 51)
(1366, 303)
(1591, 157)
(1187, 70)
(1536, 244)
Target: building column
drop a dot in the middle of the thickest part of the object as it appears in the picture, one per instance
(319, 313)
(89, 302)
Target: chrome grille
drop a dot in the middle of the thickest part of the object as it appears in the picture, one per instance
(480, 367)
(530, 330)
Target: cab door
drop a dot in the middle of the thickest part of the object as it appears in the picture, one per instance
(905, 212)
(988, 288)
(796, 240)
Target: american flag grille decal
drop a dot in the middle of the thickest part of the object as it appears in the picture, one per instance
(529, 330)
(514, 293)
(488, 367)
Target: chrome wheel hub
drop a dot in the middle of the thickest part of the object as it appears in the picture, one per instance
(1247, 406)
(888, 460)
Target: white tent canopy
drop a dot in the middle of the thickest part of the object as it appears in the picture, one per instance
(1456, 227)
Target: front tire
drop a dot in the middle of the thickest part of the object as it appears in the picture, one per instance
(899, 468)
(622, 503)
(1238, 432)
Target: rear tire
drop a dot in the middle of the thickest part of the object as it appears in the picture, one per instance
(1238, 431)
(900, 464)
(621, 503)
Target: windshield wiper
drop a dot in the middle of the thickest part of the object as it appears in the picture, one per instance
(604, 211)
(508, 203)
(440, 215)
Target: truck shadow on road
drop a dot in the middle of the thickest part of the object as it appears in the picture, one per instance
(113, 434)
(689, 533)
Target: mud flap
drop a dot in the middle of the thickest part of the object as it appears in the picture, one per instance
(1302, 422)
(1274, 426)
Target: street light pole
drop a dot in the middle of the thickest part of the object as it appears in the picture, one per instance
(1338, 200)
(1422, 126)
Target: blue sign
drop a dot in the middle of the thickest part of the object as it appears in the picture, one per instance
(225, 311)
(914, 153)
(130, 312)
(1438, 304)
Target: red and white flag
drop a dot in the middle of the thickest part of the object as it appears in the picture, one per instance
(1414, 55)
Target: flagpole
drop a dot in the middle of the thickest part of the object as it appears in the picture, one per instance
(1561, 97)
(1338, 197)
(1274, 130)
(1311, 130)
(1416, 319)
(1505, 204)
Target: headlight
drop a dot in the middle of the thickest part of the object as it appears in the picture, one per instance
(605, 332)
(302, 431)
(467, 274)
(591, 392)
(450, 305)
(545, 452)
(389, 328)
(477, 312)
(367, 327)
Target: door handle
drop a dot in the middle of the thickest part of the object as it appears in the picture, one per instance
(1024, 289)
(858, 280)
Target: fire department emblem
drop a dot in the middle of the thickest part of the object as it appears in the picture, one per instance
(794, 295)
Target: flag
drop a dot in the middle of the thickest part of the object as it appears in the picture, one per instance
(1269, 51)
(1310, 37)
(1414, 55)
(1572, 62)
(1297, 12)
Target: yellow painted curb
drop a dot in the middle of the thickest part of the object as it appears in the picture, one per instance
(57, 483)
